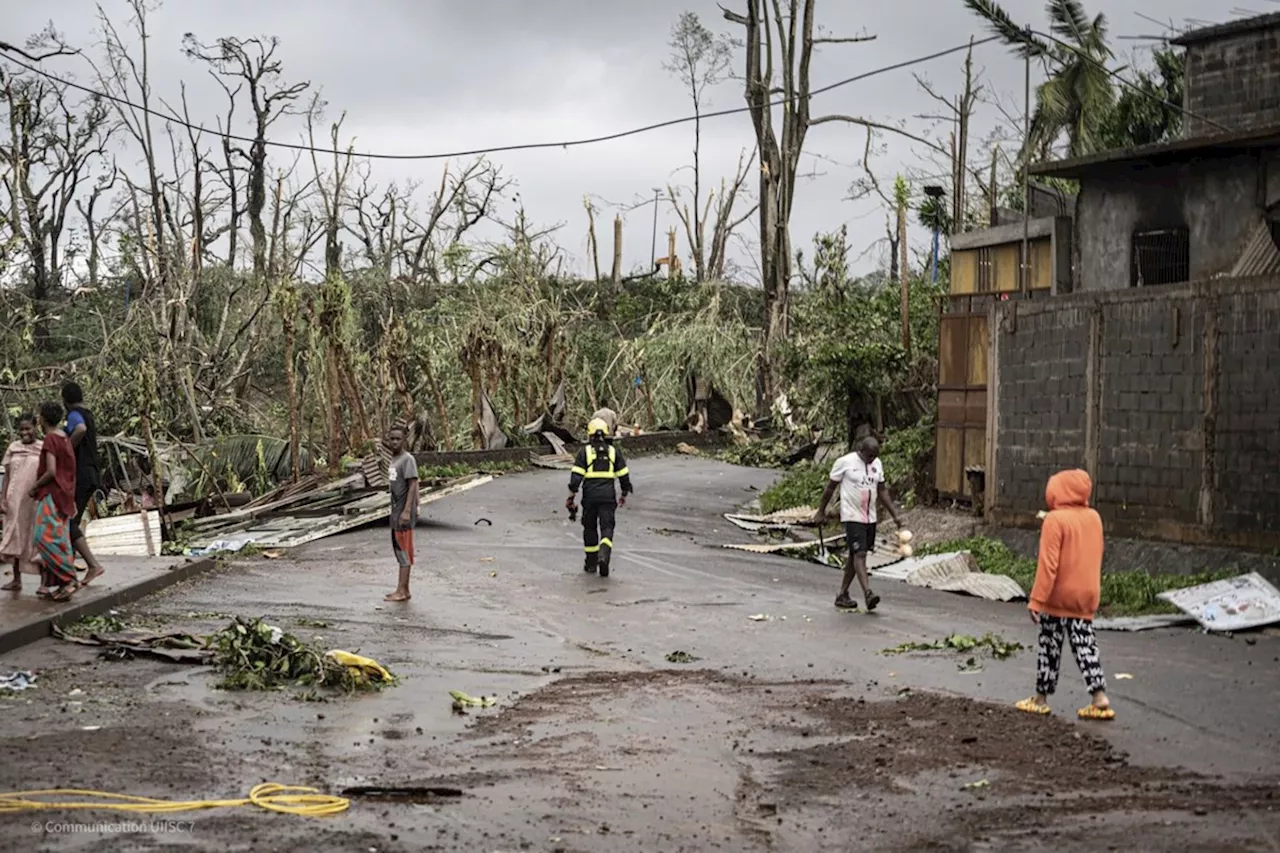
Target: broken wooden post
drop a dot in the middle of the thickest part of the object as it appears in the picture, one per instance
(617, 251)
(905, 274)
(673, 263)
(591, 236)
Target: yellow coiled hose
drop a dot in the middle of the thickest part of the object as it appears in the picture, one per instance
(272, 796)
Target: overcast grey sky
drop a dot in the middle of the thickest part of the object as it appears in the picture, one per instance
(419, 76)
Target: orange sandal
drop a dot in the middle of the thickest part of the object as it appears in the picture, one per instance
(1093, 712)
(1031, 706)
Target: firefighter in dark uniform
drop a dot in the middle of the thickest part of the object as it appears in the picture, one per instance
(596, 467)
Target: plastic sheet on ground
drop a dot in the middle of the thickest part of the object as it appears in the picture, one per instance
(1143, 623)
(17, 681)
(1235, 604)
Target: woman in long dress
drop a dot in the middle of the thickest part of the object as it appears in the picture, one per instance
(55, 494)
(21, 462)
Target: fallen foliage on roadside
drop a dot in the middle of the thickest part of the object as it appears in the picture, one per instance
(1125, 593)
(999, 647)
(252, 655)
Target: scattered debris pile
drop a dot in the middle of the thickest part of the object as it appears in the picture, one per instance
(252, 655)
(311, 509)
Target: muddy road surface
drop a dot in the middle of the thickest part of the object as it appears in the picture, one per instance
(787, 731)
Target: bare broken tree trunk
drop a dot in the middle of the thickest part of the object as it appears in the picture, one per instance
(591, 237)
(616, 277)
(905, 274)
(787, 27)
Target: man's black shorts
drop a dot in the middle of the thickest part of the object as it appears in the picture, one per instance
(77, 522)
(860, 537)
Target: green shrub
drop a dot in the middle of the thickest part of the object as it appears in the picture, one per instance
(801, 485)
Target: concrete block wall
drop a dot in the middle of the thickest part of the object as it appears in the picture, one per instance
(1233, 80)
(1247, 428)
(1170, 396)
(1042, 368)
(1151, 403)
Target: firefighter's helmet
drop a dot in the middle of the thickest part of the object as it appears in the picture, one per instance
(597, 425)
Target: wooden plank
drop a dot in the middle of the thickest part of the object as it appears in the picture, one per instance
(975, 410)
(1007, 261)
(964, 272)
(290, 531)
(1041, 264)
(975, 452)
(976, 346)
(949, 477)
(952, 350)
(951, 407)
(130, 535)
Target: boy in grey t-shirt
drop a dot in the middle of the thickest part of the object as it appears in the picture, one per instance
(402, 474)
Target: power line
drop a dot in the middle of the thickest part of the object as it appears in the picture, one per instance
(1128, 85)
(527, 146)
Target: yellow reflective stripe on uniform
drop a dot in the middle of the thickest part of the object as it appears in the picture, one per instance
(576, 470)
(608, 542)
(591, 474)
(592, 549)
(621, 473)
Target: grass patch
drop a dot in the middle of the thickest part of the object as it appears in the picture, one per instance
(1127, 593)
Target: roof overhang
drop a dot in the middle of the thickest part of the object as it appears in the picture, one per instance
(1160, 154)
(1228, 29)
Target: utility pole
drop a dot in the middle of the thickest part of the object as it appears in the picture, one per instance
(1026, 174)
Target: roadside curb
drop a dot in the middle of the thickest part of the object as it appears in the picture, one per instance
(42, 627)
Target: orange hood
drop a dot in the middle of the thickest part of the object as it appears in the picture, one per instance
(1068, 489)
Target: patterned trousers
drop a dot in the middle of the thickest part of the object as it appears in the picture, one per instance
(1084, 643)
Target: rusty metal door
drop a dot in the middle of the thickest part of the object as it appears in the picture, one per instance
(962, 400)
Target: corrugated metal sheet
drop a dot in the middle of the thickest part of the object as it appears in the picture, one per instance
(1260, 257)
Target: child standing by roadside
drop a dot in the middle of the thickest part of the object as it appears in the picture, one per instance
(1066, 593)
(402, 474)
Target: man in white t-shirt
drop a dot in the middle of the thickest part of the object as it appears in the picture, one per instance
(860, 478)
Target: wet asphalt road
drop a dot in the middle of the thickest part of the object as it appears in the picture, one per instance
(564, 763)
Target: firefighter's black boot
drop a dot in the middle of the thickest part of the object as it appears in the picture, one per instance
(589, 566)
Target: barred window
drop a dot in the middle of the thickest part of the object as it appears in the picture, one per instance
(1160, 257)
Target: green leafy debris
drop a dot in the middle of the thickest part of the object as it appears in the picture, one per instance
(998, 646)
(252, 655)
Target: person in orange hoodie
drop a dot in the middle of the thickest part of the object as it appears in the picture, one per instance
(1066, 592)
